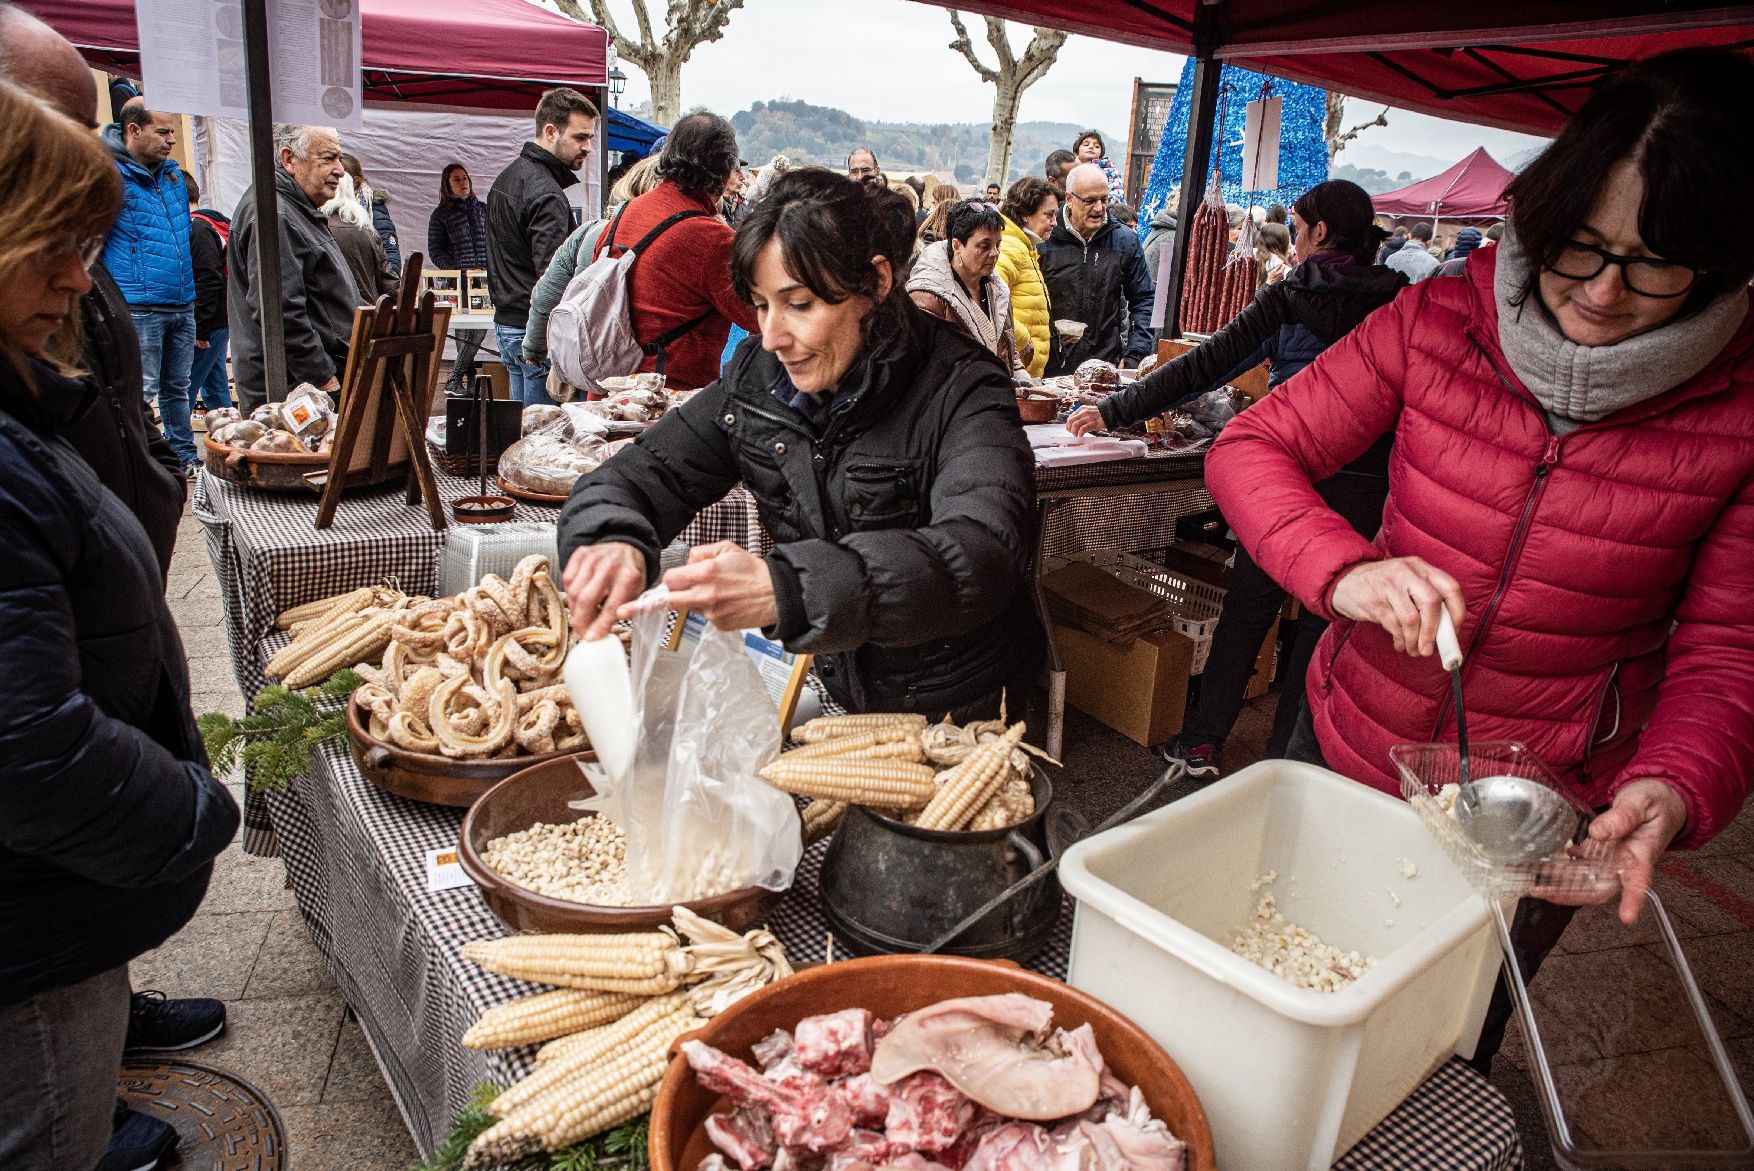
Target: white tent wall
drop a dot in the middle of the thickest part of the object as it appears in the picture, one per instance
(403, 150)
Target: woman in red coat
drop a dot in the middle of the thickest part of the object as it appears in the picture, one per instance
(1573, 478)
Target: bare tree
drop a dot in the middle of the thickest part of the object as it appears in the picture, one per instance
(687, 23)
(1013, 75)
(1337, 139)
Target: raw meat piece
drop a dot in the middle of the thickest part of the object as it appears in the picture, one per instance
(988, 1047)
(1013, 1146)
(1145, 1143)
(745, 1134)
(868, 1101)
(1112, 1092)
(806, 1113)
(836, 1044)
(865, 1148)
(772, 1049)
(926, 1112)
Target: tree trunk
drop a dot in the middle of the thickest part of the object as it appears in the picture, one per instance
(1005, 102)
(665, 77)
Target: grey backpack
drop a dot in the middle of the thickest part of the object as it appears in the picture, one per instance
(590, 332)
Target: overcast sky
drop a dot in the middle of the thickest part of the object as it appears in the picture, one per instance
(889, 60)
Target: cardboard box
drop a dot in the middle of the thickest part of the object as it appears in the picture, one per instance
(1140, 690)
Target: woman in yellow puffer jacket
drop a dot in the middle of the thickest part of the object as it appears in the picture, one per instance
(1029, 210)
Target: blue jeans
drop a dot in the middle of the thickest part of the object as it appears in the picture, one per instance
(529, 384)
(167, 351)
(207, 382)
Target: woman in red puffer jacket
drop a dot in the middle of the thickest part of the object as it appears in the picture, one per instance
(1573, 478)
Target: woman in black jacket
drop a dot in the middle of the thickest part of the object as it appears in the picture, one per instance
(885, 454)
(456, 237)
(1334, 288)
(109, 817)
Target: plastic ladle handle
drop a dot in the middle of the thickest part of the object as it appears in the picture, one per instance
(1449, 648)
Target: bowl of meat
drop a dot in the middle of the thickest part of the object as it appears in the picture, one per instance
(925, 1062)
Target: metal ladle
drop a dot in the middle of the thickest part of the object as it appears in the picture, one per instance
(1514, 820)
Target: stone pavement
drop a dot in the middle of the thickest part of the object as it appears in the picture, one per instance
(291, 1035)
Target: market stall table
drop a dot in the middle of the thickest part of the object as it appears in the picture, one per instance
(356, 858)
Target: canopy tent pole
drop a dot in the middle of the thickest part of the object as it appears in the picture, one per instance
(1197, 162)
(262, 167)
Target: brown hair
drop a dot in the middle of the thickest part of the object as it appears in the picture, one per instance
(57, 182)
(636, 181)
(557, 106)
(1026, 197)
(1345, 207)
(944, 197)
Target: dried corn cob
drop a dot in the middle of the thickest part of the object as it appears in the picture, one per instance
(1014, 801)
(661, 1028)
(547, 1015)
(820, 817)
(613, 1039)
(830, 727)
(885, 784)
(972, 783)
(307, 639)
(858, 743)
(361, 643)
(343, 603)
(646, 962)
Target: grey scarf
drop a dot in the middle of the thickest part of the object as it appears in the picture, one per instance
(1581, 384)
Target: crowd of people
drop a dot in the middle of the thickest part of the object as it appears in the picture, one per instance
(1544, 432)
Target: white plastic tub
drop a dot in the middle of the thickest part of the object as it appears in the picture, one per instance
(1289, 1078)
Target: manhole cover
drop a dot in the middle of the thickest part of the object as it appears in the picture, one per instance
(225, 1123)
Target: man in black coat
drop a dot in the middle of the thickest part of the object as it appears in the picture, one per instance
(528, 218)
(1095, 272)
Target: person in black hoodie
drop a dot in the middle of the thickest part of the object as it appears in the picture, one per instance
(209, 230)
(1289, 324)
(109, 816)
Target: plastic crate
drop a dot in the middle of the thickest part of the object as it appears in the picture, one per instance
(1193, 605)
(471, 552)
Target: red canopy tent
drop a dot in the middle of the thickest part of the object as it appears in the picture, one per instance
(476, 54)
(1472, 189)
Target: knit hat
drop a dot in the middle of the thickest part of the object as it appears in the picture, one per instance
(1467, 240)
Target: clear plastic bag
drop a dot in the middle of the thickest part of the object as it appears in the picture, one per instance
(549, 458)
(699, 819)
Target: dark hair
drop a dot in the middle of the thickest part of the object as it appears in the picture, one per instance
(1682, 119)
(1422, 232)
(969, 217)
(1079, 141)
(828, 229)
(1026, 197)
(192, 187)
(868, 151)
(700, 154)
(350, 164)
(1124, 213)
(1057, 159)
(559, 105)
(136, 115)
(1346, 209)
(445, 197)
(897, 215)
(1276, 214)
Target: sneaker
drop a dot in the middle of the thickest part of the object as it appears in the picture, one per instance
(157, 1023)
(138, 1142)
(1201, 760)
(191, 471)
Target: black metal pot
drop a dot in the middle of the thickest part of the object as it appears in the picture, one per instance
(891, 887)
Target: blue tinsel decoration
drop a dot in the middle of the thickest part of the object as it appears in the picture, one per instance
(1303, 147)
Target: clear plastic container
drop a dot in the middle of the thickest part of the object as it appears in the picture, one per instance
(471, 552)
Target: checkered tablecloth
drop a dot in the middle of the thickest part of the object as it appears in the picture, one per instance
(355, 856)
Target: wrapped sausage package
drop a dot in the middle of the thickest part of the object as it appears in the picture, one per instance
(699, 820)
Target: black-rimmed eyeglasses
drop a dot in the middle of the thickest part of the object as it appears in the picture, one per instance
(1100, 199)
(1641, 274)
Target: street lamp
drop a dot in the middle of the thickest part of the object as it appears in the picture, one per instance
(617, 85)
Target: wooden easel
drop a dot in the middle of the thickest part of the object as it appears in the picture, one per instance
(392, 360)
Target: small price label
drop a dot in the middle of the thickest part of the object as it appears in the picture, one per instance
(444, 871)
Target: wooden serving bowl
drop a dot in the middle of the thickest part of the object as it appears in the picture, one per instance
(271, 471)
(889, 986)
(542, 792)
(426, 776)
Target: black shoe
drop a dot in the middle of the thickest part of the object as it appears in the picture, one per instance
(138, 1142)
(157, 1024)
(1200, 760)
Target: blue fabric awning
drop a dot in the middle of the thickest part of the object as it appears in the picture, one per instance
(629, 133)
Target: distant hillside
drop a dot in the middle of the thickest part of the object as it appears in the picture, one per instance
(823, 135)
(1372, 180)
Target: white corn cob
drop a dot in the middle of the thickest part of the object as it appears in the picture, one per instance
(547, 1015)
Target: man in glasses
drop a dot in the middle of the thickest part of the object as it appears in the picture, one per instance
(862, 168)
(1096, 274)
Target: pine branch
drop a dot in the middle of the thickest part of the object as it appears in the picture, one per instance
(620, 1149)
(275, 741)
(963, 45)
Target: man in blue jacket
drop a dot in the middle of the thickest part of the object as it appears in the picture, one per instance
(1095, 271)
(148, 254)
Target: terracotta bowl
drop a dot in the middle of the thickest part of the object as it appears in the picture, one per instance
(425, 776)
(542, 792)
(889, 986)
(1038, 408)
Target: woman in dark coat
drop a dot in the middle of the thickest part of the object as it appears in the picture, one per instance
(885, 454)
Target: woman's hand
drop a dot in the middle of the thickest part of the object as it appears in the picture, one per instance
(1645, 817)
(728, 584)
(1402, 596)
(1084, 420)
(600, 580)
